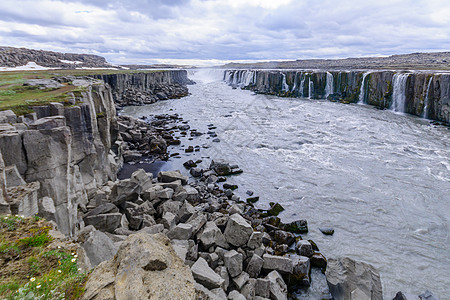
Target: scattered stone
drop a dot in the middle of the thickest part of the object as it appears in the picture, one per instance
(233, 261)
(254, 266)
(180, 232)
(206, 276)
(105, 222)
(275, 209)
(304, 248)
(277, 289)
(278, 263)
(300, 226)
(189, 164)
(237, 231)
(252, 199)
(327, 230)
(170, 176)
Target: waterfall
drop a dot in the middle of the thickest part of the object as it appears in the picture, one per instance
(311, 87)
(295, 82)
(247, 79)
(362, 91)
(399, 92)
(425, 104)
(285, 86)
(329, 85)
(302, 85)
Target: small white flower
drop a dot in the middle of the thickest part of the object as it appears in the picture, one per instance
(6, 218)
(73, 253)
(50, 279)
(32, 279)
(38, 286)
(79, 269)
(22, 216)
(59, 271)
(74, 259)
(59, 247)
(75, 256)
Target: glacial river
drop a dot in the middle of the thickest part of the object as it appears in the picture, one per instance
(380, 179)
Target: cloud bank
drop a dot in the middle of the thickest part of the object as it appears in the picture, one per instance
(213, 31)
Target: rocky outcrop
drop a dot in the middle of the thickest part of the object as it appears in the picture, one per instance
(66, 150)
(145, 267)
(13, 57)
(350, 279)
(146, 87)
(424, 94)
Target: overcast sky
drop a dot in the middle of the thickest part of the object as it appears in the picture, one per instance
(186, 31)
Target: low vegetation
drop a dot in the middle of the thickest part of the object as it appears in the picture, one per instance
(19, 98)
(33, 266)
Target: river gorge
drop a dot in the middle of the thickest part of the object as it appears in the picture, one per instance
(380, 178)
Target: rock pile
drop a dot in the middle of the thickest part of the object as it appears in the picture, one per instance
(233, 249)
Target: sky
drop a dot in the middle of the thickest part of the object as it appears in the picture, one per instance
(203, 32)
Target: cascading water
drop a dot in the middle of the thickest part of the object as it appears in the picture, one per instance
(285, 86)
(425, 104)
(329, 85)
(295, 82)
(310, 87)
(302, 85)
(362, 91)
(399, 92)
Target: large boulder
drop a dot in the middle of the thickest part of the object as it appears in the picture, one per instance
(206, 276)
(145, 267)
(347, 278)
(238, 231)
(97, 245)
(170, 176)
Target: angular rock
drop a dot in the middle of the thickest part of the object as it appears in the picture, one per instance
(345, 275)
(254, 266)
(240, 280)
(262, 287)
(234, 262)
(238, 231)
(212, 235)
(300, 274)
(169, 220)
(169, 176)
(47, 209)
(304, 248)
(180, 232)
(13, 178)
(103, 209)
(281, 264)
(185, 212)
(318, 260)
(278, 289)
(164, 194)
(204, 275)
(97, 245)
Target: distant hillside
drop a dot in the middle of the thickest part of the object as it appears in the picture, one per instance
(416, 61)
(14, 57)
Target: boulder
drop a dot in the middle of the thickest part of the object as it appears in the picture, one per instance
(169, 176)
(238, 231)
(8, 116)
(234, 262)
(281, 264)
(346, 276)
(300, 273)
(212, 235)
(240, 280)
(304, 248)
(262, 287)
(180, 232)
(254, 266)
(103, 209)
(235, 295)
(105, 222)
(145, 267)
(206, 276)
(97, 245)
(277, 287)
(24, 199)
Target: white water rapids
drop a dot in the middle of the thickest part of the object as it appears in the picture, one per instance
(381, 180)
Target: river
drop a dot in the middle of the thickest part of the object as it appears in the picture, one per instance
(380, 179)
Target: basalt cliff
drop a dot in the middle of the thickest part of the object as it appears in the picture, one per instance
(424, 94)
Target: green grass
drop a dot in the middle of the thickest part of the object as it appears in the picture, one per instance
(31, 267)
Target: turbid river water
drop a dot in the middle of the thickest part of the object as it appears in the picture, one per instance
(380, 179)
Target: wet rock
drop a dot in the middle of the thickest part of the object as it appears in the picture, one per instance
(234, 262)
(300, 274)
(427, 296)
(189, 149)
(400, 296)
(283, 237)
(304, 248)
(189, 164)
(237, 231)
(300, 226)
(230, 186)
(252, 199)
(206, 276)
(345, 277)
(327, 230)
(275, 209)
(278, 263)
(196, 172)
(318, 260)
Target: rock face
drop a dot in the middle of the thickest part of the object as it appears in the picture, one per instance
(349, 279)
(145, 267)
(66, 150)
(13, 57)
(146, 88)
(423, 94)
